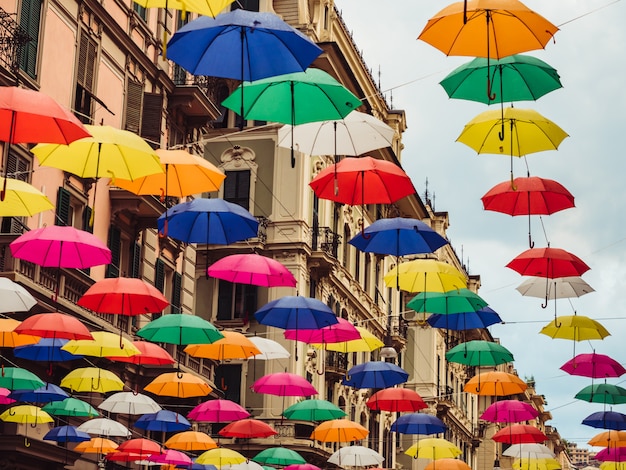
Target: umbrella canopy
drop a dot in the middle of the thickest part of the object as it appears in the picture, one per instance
(219, 457)
(205, 7)
(44, 394)
(54, 325)
(301, 466)
(425, 275)
(284, 384)
(603, 393)
(465, 321)
(25, 414)
(66, 434)
(339, 430)
(606, 420)
(254, 269)
(529, 451)
(104, 427)
(92, 379)
(454, 301)
(609, 439)
(313, 410)
(270, 349)
(171, 457)
(447, 464)
(141, 446)
(575, 328)
(22, 199)
(559, 288)
(16, 378)
(62, 247)
(519, 434)
(233, 345)
(495, 384)
(123, 296)
(278, 456)
(356, 456)
(129, 403)
(295, 313)
(548, 263)
(593, 365)
(375, 374)
(612, 454)
(355, 134)
(103, 344)
(9, 338)
(341, 331)
(209, 221)
(96, 445)
(366, 343)
(418, 423)
(71, 407)
(218, 411)
(180, 329)
(363, 180)
(46, 349)
(611, 466)
(163, 421)
(479, 353)
(190, 441)
(509, 411)
(150, 354)
(15, 298)
(396, 399)
(536, 464)
(178, 384)
(4, 397)
(247, 465)
(249, 45)
(433, 448)
(247, 428)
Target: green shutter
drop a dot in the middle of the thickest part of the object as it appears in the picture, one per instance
(159, 275)
(63, 207)
(115, 245)
(135, 267)
(30, 16)
(87, 227)
(177, 288)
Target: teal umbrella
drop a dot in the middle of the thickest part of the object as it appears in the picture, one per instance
(445, 303)
(278, 456)
(603, 393)
(16, 378)
(71, 407)
(479, 353)
(180, 329)
(314, 410)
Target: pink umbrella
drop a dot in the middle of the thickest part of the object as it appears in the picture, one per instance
(301, 466)
(171, 457)
(4, 396)
(284, 384)
(252, 269)
(509, 411)
(593, 365)
(218, 411)
(337, 333)
(612, 454)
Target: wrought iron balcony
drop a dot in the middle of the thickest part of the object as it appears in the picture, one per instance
(12, 40)
(324, 239)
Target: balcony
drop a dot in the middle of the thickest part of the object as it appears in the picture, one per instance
(192, 96)
(336, 364)
(324, 250)
(12, 40)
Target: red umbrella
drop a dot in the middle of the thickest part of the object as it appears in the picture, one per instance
(396, 399)
(593, 365)
(218, 411)
(125, 456)
(123, 296)
(247, 428)
(528, 196)
(252, 269)
(54, 325)
(548, 262)
(141, 446)
(509, 411)
(519, 434)
(151, 354)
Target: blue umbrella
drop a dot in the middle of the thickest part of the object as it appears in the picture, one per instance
(375, 374)
(398, 237)
(197, 466)
(418, 423)
(164, 421)
(66, 434)
(465, 321)
(606, 420)
(48, 393)
(46, 349)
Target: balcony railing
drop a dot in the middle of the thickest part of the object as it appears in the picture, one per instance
(324, 239)
(12, 40)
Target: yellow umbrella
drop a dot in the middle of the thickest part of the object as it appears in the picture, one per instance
(205, 7)
(367, 343)
(575, 328)
(434, 449)
(184, 174)
(26, 414)
(97, 445)
(339, 430)
(219, 457)
(22, 199)
(104, 344)
(178, 384)
(613, 466)
(536, 464)
(233, 345)
(92, 379)
(425, 275)
(11, 339)
(190, 441)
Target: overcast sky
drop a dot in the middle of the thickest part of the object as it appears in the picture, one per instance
(589, 53)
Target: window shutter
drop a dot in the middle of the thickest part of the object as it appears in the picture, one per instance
(30, 16)
(87, 52)
(159, 275)
(134, 95)
(63, 207)
(115, 245)
(18, 167)
(177, 286)
(87, 211)
(151, 118)
(135, 267)
(237, 188)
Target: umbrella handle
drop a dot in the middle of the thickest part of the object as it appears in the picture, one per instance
(322, 358)
(490, 93)
(11, 412)
(4, 188)
(179, 374)
(223, 385)
(26, 442)
(33, 425)
(49, 371)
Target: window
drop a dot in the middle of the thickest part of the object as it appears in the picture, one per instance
(140, 10)
(86, 78)
(221, 93)
(366, 272)
(250, 5)
(177, 288)
(30, 17)
(143, 112)
(237, 188)
(18, 167)
(236, 301)
(135, 256)
(72, 211)
(346, 247)
(159, 275)
(115, 245)
(228, 379)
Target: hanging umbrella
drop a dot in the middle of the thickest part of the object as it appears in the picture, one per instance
(593, 365)
(606, 420)
(163, 421)
(233, 345)
(479, 353)
(150, 354)
(313, 410)
(343, 330)
(425, 275)
(130, 403)
(178, 384)
(22, 199)
(278, 456)
(123, 296)
(612, 466)
(301, 466)
(218, 411)
(190, 441)
(46, 349)
(433, 448)
(9, 338)
(16, 378)
(171, 457)
(611, 454)
(270, 349)
(284, 384)
(66, 434)
(54, 325)
(104, 427)
(465, 321)
(356, 456)
(509, 411)
(127, 457)
(219, 457)
(519, 434)
(447, 464)
(247, 428)
(444, 303)
(180, 329)
(247, 465)
(366, 343)
(418, 423)
(251, 268)
(26, 414)
(559, 288)
(71, 407)
(529, 451)
(15, 298)
(609, 439)
(575, 328)
(375, 374)
(92, 379)
(496, 383)
(339, 430)
(103, 344)
(44, 394)
(603, 393)
(396, 400)
(536, 464)
(4, 397)
(141, 446)
(96, 445)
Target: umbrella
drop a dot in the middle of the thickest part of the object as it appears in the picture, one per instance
(150, 354)
(96, 445)
(603, 393)
(425, 275)
(575, 328)
(465, 321)
(479, 353)
(339, 430)
(609, 439)
(129, 403)
(141, 446)
(418, 423)
(54, 325)
(356, 456)
(9, 338)
(495, 383)
(355, 134)
(71, 407)
(219, 457)
(247, 465)
(104, 427)
(612, 454)
(46, 349)
(343, 330)
(180, 329)
(190, 441)
(433, 448)
(270, 349)
(278, 456)
(301, 466)
(366, 343)
(593, 365)
(163, 421)
(16, 378)
(375, 374)
(103, 344)
(611, 466)
(66, 434)
(284, 384)
(559, 288)
(44, 394)
(171, 457)
(218, 411)
(22, 199)
(233, 345)
(15, 298)
(124, 456)
(519, 434)
(606, 420)
(453, 301)
(26, 414)
(529, 451)
(254, 269)
(4, 397)
(123, 296)
(509, 411)
(536, 464)
(396, 400)
(247, 428)
(447, 464)
(313, 410)
(92, 379)
(178, 384)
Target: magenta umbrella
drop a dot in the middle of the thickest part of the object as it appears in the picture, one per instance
(252, 269)
(301, 466)
(509, 411)
(284, 384)
(171, 457)
(4, 396)
(593, 365)
(612, 454)
(218, 411)
(341, 331)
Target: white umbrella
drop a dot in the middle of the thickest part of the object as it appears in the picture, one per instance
(14, 297)
(356, 456)
(249, 465)
(353, 135)
(270, 349)
(560, 288)
(529, 451)
(130, 403)
(104, 427)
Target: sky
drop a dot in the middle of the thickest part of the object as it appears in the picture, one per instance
(589, 53)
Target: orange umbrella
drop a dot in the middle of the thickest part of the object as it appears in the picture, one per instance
(609, 439)
(447, 464)
(232, 346)
(339, 430)
(498, 384)
(97, 445)
(178, 384)
(11, 339)
(190, 441)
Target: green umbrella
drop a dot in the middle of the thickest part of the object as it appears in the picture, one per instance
(314, 410)
(444, 303)
(278, 456)
(603, 393)
(514, 78)
(180, 329)
(71, 407)
(16, 378)
(479, 353)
